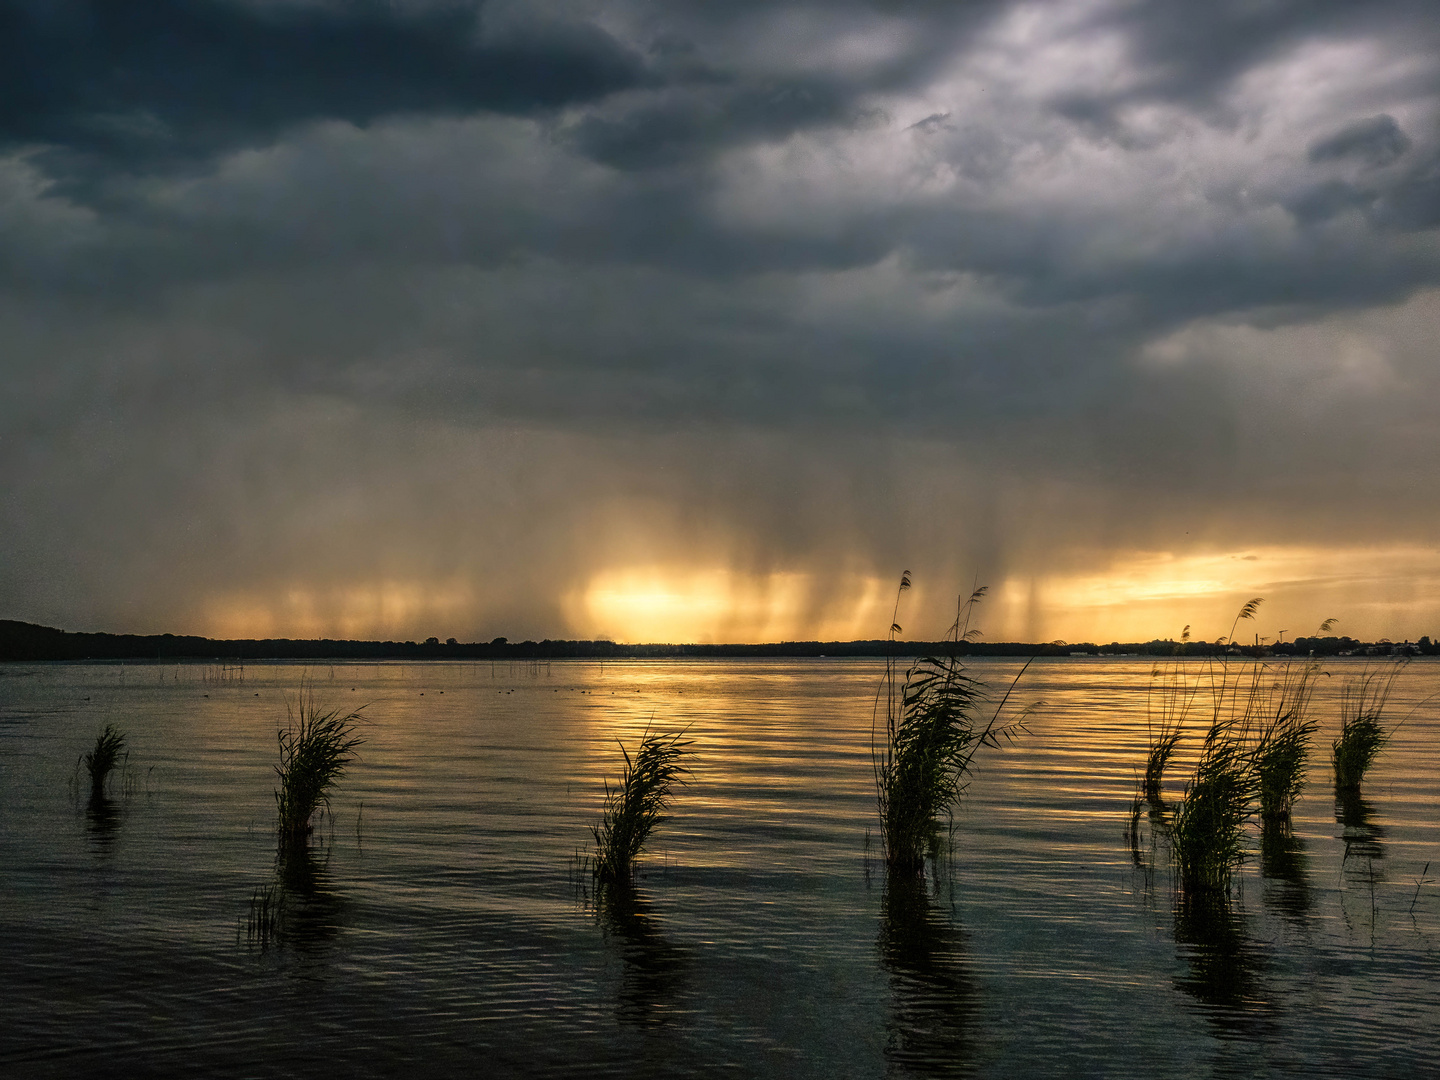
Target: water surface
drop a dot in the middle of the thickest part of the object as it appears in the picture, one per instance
(439, 920)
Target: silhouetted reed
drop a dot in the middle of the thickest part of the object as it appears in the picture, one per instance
(1281, 712)
(1363, 698)
(932, 732)
(932, 735)
(1253, 758)
(637, 804)
(1207, 831)
(101, 761)
(1166, 707)
(315, 748)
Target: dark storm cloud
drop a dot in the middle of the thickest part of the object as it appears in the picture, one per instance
(143, 83)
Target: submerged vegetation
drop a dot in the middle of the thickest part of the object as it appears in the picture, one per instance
(316, 746)
(637, 804)
(265, 925)
(101, 761)
(932, 732)
(1363, 698)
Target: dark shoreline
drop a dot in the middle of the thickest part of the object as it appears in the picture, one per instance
(27, 641)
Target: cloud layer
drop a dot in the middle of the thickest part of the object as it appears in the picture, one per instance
(380, 316)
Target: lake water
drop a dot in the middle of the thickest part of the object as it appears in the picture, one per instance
(440, 928)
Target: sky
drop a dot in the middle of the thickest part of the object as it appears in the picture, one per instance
(702, 321)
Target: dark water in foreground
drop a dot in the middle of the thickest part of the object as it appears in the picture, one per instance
(439, 930)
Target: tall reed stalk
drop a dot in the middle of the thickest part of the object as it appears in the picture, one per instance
(1363, 699)
(101, 761)
(316, 746)
(1166, 707)
(1207, 830)
(637, 804)
(932, 732)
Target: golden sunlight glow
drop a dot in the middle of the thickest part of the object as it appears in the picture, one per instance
(1384, 592)
(382, 609)
(1374, 592)
(673, 604)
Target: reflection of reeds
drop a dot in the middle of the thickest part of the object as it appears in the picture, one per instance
(1363, 836)
(637, 804)
(100, 762)
(653, 979)
(315, 748)
(932, 732)
(310, 909)
(1363, 698)
(1224, 963)
(934, 1000)
(1283, 862)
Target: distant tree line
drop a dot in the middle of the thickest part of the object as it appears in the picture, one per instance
(27, 641)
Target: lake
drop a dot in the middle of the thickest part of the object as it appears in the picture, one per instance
(440, 927)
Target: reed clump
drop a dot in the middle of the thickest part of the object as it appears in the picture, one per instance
(1363, 734)
(933, 728)
(1207, 831)
(316, 746)
(1253, 762)
(1282, 747)
(101, 761)
(637, 804)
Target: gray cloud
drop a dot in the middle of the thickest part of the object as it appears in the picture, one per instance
(508, 296)
(1376, 141)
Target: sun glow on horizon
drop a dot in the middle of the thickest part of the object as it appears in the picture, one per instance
(673, 604)
(1374, 592)
(1136, 596)
(386, 609)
